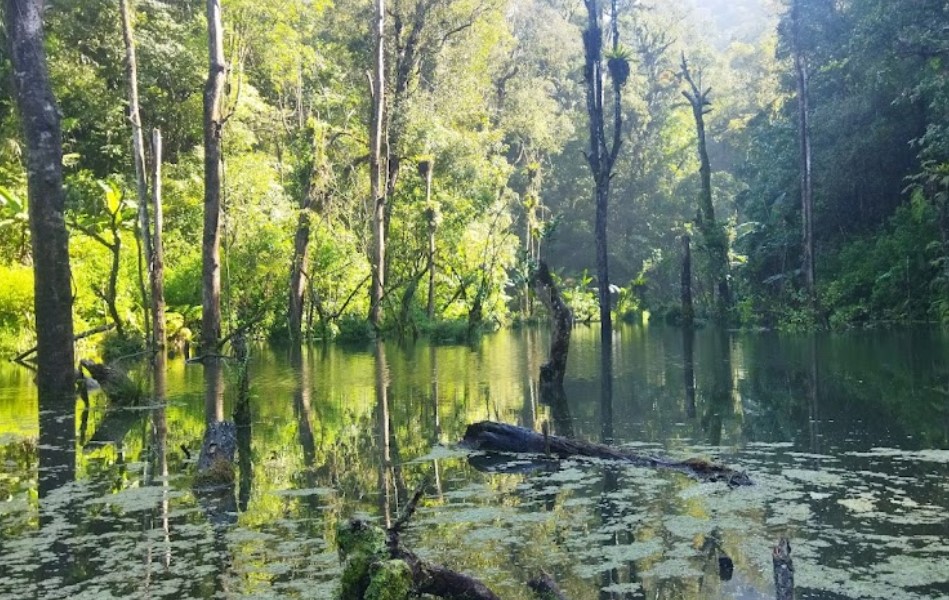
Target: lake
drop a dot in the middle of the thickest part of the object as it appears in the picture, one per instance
(846, 438)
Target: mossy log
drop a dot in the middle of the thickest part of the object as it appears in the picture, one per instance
(490, 436)
(115, 382)
(377, 567)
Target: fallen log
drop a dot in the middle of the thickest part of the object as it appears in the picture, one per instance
(490, 436)
(120, 389)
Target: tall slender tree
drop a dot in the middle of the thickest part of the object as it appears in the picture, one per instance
(138, 141)
(213, 168)
(603, 152)
(377, 168)
(804, 142)
(53, 298)
(157, 267)
(714, 236)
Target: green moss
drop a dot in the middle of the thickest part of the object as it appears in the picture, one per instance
(389, 580)
(360, 546)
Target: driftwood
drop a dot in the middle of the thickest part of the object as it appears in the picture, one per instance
(500, 437)
(783, 570)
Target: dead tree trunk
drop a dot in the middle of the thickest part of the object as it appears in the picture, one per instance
(602, 155)
(53, 297)
(804, 141)
(213, 124)
(688, 311)
(552, 372)
(138, 142)
(157, 270)
(716, 241)
(377, 168)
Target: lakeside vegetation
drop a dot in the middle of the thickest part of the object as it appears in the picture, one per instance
(486, 127)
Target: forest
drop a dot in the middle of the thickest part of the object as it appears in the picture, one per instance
(633, 294)
(481, 165)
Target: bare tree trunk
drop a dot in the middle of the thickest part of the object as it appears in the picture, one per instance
(716, 241)
(552, 373)
(426, 169)
(138, 142)
(377, 169)
(157, 269)
(298, 278)
(688, 311)
(213, 123)
(602, 155)
(55, 380)
(804, 138)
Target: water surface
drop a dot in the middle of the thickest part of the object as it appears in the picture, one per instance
(845, 436)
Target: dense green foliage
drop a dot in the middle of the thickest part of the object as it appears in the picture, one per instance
(491, 94)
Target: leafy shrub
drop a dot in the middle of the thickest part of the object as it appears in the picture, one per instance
(893, 275)
(581, 297)
(452, 331)
(353, 329)
(16, 297)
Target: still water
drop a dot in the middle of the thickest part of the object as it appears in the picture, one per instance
(845, 436)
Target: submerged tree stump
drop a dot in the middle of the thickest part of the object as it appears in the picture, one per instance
(783, 570)
(215, 478)
(490, 436)
(376, 568)
(216, 461)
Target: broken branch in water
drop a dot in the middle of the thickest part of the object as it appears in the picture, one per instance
(19, 358)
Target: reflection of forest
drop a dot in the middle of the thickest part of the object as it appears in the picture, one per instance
(331, 433)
